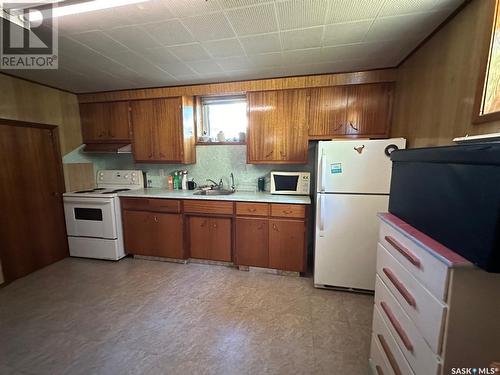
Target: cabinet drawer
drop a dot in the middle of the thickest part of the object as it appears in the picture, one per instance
(404, 332)
(135, 203)
(208, 207)
(252, 209)
(288, 210)
(165, 205)
(430, 271)
(427, 312)
(385, 348)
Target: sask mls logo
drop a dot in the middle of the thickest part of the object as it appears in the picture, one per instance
(29, 36)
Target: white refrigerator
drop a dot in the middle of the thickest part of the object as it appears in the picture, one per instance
(353, 182)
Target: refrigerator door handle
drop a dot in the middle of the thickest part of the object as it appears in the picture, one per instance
(321, 217)
(322, 171)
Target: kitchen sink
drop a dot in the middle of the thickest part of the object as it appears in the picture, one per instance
(214, 192)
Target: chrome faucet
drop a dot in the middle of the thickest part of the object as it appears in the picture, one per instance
(216, 185)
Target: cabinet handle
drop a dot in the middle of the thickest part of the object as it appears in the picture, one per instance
(269, 154)
(397, 326)
(283, 154)
(400, 287)
(379, 370)
(321, 217)
(352, 126)
(389, 354)
(150, 156)
(252, 209)
(275, 227)
(156, 219)
(322, 170)
(214, 226)
(287, 212)
(412, 258)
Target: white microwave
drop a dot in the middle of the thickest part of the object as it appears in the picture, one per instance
(297, 183)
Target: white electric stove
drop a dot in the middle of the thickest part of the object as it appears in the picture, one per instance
(93, 216)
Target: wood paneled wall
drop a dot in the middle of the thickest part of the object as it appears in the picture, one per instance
(25, 101)
(436, 86)
(372, 76)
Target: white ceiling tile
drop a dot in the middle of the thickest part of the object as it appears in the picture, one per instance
(345, 33)
(178, 69)
(160, 56)
(186, 8)
(263, 43)
(169, 32)
(304, 38)
(209, 27)
(348, 10)
(149, 11)
(141, 65)
(235, 63)
(258, 19)
(267, 59)
(134, 37)
(190, 52)
(302, 56)
(295, 14)
(204, 67)
(238, 3)
(395, 7)
(98, 41)
(224, 48)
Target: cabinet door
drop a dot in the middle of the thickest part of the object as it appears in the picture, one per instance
(286, 245)
(102, 122)
(137, 230)
(277, 130)
(167, 237)
(199, 237)
(327, 111)
(220, 239)
(169, 138)
(252, 242)
(369, 109)
(143, 122)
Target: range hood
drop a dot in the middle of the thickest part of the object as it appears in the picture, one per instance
(108, 148)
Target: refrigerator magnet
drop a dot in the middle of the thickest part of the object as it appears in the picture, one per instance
(336, 168)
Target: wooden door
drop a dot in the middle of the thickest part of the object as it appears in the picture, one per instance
(220, 239)
(169, 137)
(105, 122)
(32, 225)
(143, 121)
(277, 130)
(327, 112)
(199, 237)
(369, 109)
(286, 245)
(252, 238)
(137, 231)
(168, 236)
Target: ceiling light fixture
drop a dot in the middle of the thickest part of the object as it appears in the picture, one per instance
(78, 8)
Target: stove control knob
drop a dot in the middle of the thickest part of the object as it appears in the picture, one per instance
(133, 179)
(101, 178)
(133, 174)
(126, 176)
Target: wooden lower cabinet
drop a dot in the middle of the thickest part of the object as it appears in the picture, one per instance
(210, 238)
(252, 242)
(153, 234)
(286, 245)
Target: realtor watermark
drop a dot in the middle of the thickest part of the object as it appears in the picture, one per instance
(29, 37)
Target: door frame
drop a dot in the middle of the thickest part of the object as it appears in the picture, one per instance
(56, 148)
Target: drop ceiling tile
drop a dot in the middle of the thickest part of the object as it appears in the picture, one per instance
(169, 32)
(235, 63)
(205, 67)
(263, 43)
(178, 69)
(187, 8)
(345, 33)
(395, 7)
(267, 59)
(302, 56)
(304, 38)
(98, 41)
(348, 10)
(134, 37)
(160, 56)
(258, 19)
(139, 64)
(150, 11)
(209, 27)
(190, 52)
(295, 14)
(226, 4)
(224, 48)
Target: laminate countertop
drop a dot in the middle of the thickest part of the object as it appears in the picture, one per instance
(238, 196)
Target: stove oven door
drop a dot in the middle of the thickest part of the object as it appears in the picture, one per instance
(91, 217)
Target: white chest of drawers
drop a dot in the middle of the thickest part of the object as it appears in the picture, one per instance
(434, 310)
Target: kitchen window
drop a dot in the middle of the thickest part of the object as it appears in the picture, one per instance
(487, 106)
(222, 119)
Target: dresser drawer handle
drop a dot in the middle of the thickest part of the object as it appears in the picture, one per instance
(400, 287)
(379, 370)
(401, 333)
(287, 212)
(389, 354)
(403, 251)
(252, 209)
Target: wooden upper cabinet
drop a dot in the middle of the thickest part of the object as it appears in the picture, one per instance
(277, 127)
(163, 130)
(327, 111)
(105, 122)
(369, 109)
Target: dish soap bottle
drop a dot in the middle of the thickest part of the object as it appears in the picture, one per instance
(184, 180)
(176, 180)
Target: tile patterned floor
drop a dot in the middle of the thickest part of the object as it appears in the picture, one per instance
(143, 317)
